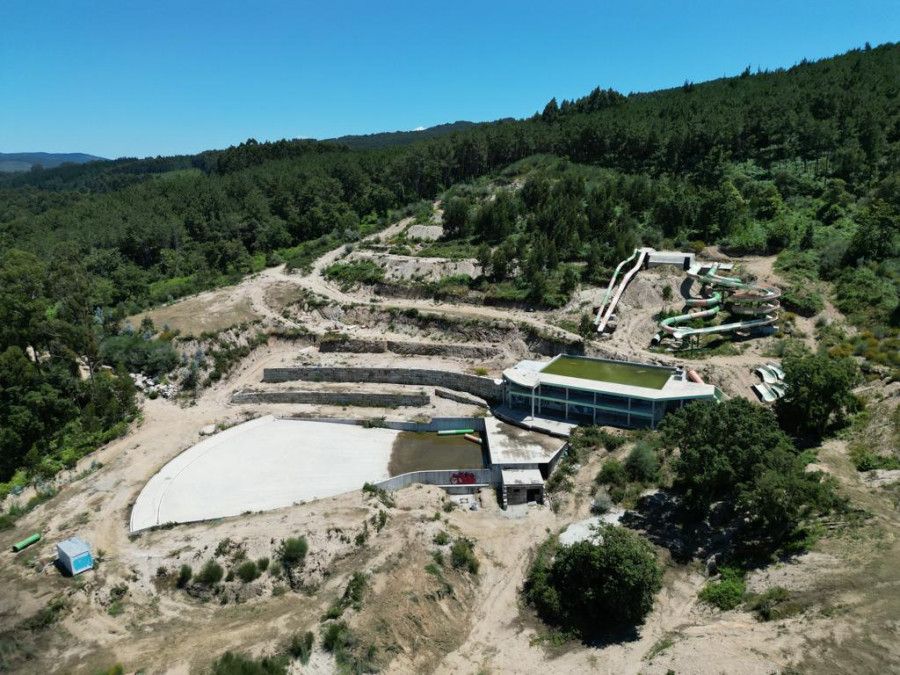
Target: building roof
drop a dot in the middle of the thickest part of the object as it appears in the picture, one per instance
(74, 547)
(528, 374)
(524, 477)
(508, 444)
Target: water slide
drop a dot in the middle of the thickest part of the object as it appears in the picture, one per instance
(609, 305)
(765, 393)
(759, 301)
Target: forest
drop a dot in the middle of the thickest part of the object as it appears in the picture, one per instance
(803, 162)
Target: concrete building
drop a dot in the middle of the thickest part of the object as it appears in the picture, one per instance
(75, 555)
(582, 390)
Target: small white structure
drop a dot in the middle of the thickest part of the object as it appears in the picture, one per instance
(75, 555)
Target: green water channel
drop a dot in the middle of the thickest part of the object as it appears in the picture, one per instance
(415, 451)
(609, 371)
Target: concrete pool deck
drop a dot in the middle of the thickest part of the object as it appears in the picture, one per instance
(264, 464)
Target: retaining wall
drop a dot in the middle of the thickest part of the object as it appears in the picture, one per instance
(486, 388)
(482, 476)
(460, 397)
(356, 398)
(359, 346)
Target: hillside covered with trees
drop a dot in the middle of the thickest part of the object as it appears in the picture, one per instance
(803, 161)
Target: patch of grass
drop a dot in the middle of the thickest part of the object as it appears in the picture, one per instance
(349, 275)
(726, 593)
(441, 538)
(383, 496)
(349, 653)
(773, 604)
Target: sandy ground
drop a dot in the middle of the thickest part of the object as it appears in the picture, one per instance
(848, 584)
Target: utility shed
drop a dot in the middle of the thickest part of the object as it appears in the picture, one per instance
(75, 555)
(521, 486)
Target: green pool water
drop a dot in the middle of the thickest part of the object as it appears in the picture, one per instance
(609, 371)
(415, 451)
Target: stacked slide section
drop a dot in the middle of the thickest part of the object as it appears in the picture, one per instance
(758, 302)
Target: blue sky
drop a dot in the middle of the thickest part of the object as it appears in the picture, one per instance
(160, 77)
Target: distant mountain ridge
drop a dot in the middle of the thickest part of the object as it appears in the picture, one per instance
(23, 161)
(391, 138)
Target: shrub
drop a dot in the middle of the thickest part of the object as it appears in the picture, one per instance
(184, 576)
(642, 464)
(772, 604)
(293, 551)
(612, 473)
(262, 564)
(441, 538)
(802, 301)
(601, 503)
(238, 664)
(462, 555)
(211, 573)
(247, 571)
(300, 646)
(726, 593)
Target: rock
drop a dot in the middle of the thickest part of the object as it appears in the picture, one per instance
(208, 430)
(712, 564)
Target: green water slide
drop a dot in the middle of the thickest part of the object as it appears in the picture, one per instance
(759, 301)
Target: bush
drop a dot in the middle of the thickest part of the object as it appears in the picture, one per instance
(300, 646)
(612, 473)
(772, 604)
(211, 573)
(591, 586)
(726, 593)
(238, 664)
(441, 538)
(642, 464)
(184, 576)
(262, 564)
(462, 555)
(138, 355)
(293, 551)
(247, 571)
(802, 301)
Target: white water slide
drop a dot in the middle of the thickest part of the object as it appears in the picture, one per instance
(606, 310)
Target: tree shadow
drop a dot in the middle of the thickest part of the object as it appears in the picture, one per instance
(659, 518)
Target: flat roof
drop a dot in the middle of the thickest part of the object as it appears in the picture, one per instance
(509, 444)
(74, 547)
(530, 374)
(521, 477)
(604, 370)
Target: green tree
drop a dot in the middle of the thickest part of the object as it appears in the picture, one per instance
(456, 218)
(720, 446)
(819, 389)
(484, 258)
(595, 584)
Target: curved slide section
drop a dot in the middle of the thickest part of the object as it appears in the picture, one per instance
(759, 301)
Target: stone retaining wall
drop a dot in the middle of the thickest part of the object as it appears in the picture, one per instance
(460, 397)
(354, 398)
(484, 387)
(359, 346)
